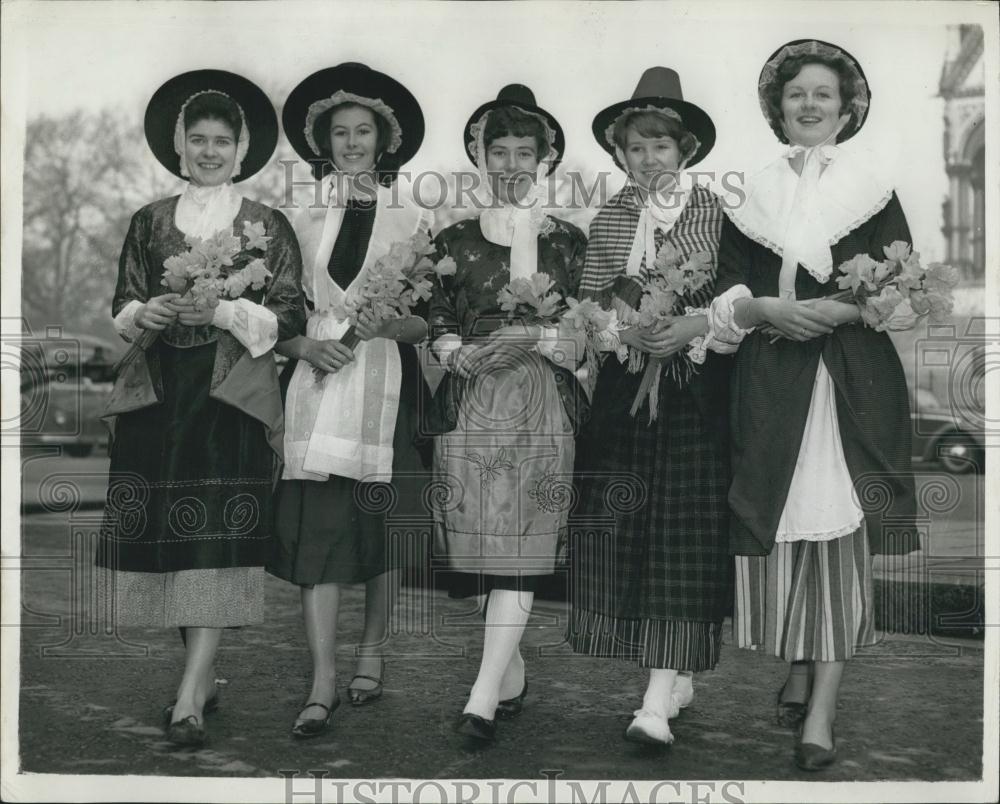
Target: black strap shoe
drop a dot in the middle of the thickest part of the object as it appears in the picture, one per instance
(476, 727)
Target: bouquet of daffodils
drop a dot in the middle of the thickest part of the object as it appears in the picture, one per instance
(658, 298)
(220, 266)
(392, 286)
(533, 301)
(897, 292)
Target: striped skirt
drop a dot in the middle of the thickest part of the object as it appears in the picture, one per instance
(660, 644)
(807, 601)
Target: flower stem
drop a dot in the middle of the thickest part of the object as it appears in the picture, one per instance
(140, 345)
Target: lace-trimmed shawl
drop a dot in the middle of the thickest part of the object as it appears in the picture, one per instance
(242, 144)
(340, 97)
(849, 191)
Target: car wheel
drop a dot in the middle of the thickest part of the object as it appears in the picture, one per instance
(958, 453)
(79, 450)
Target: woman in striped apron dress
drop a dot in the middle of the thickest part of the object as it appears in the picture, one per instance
(820, 414)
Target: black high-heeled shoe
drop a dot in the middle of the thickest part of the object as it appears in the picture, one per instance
(512, 706)
(187, 732)
(306, 728)
(813, 757)
(360, 696)
(211, 705)
(476, 727)
(790, 714)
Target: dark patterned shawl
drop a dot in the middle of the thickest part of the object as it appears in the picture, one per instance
(611, 233)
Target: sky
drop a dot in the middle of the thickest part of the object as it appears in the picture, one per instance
(576, 57)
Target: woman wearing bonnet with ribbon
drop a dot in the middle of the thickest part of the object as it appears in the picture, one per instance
(198, 413)
(510, 398)
(820, 411)
(356, 126)
(655, 590)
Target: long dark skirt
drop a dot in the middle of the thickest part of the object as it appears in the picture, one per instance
(343, 531)
(651, 574)
(190, 478)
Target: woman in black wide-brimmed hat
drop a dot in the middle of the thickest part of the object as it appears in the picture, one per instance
(198, 415)
(654, 590)
(820, 414)
(510, 400)
(350, 411)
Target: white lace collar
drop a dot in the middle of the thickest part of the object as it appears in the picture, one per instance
(783, 211)
(203, 211)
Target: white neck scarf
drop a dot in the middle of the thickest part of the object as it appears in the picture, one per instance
(657, 213)
(800, 215)
(203, 211)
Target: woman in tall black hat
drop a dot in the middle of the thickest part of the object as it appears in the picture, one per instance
(819, 399)
(208, 282)
(510, 398)
(350, 412)
(657, 593)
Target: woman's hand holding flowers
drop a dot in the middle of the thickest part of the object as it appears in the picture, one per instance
(795, 320)
(462, 361)
(157, 314)
(841, 312)
(665, 337)
(673, 334)
(327, 356)
(188, 313)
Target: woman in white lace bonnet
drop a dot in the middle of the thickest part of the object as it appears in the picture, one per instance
(198, 417)
(820, 412)
(355, 126)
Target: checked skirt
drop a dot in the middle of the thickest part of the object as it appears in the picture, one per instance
(651, 573)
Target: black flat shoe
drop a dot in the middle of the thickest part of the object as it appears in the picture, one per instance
(476, 727)
(790, 714)
(512, 706)
(188, 732)
(812, 757)
(211, 705)
(360, 696)
(305, 728)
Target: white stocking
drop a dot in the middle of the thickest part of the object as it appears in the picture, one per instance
(657, 697)
(507, 613)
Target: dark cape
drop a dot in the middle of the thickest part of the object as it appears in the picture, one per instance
(198, 425)
(772, 387)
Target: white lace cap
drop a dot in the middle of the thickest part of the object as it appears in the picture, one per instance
(478, 131)
(609, 132)
(814, 48)
(339, 97)
(242, 144)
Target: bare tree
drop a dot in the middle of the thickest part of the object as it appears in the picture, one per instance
(84, 176)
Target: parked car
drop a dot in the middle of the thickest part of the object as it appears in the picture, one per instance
(953, 437)
(65, 384)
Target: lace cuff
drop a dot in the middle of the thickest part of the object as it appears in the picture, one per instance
(698, 344)
(125, 321)
(608, 339)
(444, 346)
(253, 325)
(563, 349)
(724, 334)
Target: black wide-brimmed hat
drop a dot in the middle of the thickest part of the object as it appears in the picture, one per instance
(520, 97)
(816, 47)
(167, 102)
(659, 88)
(358, 83)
